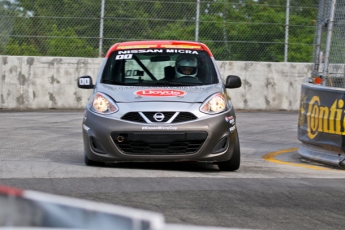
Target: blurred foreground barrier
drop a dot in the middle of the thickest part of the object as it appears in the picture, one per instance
(35, 209)
(321, 124)
(31, 210)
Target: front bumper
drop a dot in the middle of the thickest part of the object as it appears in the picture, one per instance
(111, 139)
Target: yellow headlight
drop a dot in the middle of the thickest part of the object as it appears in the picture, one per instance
(102, 104)
(215, 104)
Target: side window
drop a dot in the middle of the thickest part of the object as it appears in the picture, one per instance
(113, 70)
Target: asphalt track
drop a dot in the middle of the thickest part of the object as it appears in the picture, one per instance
(273, 189)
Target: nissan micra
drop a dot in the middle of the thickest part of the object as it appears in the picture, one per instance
(162, 101)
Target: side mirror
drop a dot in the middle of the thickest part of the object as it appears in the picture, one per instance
(85, 82)
(233, 81)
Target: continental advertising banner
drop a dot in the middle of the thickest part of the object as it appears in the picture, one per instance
(321, 119)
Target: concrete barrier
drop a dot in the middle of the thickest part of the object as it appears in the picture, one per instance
(51, 83)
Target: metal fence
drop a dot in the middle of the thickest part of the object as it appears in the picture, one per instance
(246, 30)
(329, 50)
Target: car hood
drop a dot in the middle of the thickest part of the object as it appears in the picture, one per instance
(190, 94)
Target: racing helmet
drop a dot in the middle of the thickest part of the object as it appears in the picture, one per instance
(186, 65)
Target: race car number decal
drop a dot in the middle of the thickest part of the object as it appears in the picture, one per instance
(123, 56)
(160, 93)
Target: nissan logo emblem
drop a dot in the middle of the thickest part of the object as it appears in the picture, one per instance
(158, 116)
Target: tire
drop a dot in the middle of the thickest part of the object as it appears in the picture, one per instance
(89, 162)
(234, 163)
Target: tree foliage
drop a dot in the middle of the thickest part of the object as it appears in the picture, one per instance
(65, 41)
(245, 30)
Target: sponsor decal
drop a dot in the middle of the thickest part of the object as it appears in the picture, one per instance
(137, 47)
(160, 93)
(140, 51)
(162, 46)
(301, 117)
(86, 128)
(181, 51)
(232, 128)
(159, 128)
(230, 119)
(322, 119)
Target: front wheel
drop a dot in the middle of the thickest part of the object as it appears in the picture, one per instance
(234, 163)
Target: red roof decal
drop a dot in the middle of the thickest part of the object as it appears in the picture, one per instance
(160, 93)
(169, 44)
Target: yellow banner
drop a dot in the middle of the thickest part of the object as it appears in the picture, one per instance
(323, 119)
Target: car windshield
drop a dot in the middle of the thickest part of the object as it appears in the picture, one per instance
(164, 67)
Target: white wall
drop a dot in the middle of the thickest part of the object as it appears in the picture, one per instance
(51, 82)
(266, 85)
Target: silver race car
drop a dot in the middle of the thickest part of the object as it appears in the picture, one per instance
(160, 101)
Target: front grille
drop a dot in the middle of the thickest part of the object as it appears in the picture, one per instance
(139, 117)
(184, 116)
(159, 143)
(133, 116)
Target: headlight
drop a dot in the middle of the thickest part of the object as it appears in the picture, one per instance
(103, 104)
(214, 104)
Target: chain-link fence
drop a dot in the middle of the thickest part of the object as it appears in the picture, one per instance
(329, 49)
(244, 30)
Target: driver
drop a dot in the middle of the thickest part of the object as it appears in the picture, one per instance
(186, 65)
